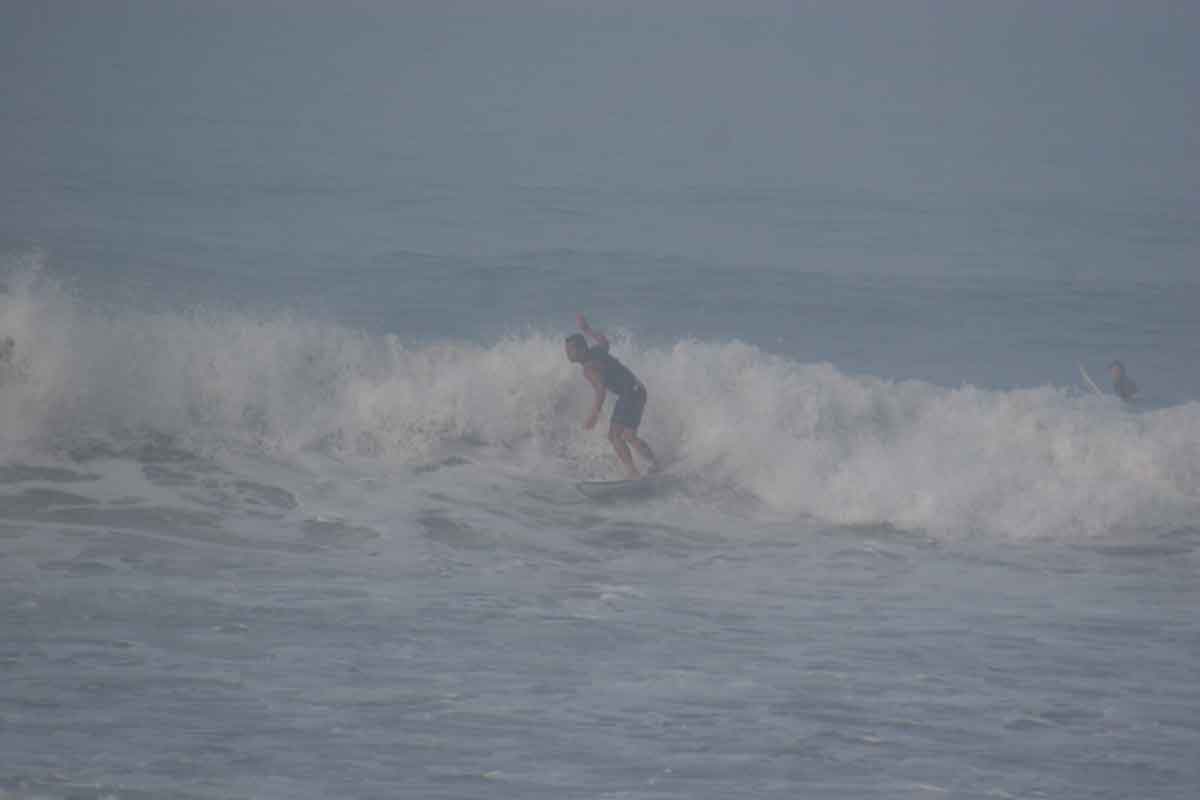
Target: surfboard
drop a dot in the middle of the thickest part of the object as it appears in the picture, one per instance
(638, 488)
(1088, 380)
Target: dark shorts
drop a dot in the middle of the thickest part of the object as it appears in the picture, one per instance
(628, 411)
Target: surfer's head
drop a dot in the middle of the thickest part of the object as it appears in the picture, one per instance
(577, 348)
(1117, 368)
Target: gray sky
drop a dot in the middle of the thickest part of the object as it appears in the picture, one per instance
(1079, 96)
(1072, 123)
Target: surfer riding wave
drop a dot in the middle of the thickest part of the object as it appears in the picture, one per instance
(607, 374)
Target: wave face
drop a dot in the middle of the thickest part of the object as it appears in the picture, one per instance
(803, 440)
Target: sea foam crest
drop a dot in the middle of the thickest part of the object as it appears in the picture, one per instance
(859, 450)
(803, 439)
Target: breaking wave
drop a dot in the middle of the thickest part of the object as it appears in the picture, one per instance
(799, 439)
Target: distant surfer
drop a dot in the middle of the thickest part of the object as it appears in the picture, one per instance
(606, 374)
(1122, 384)
(7, 349)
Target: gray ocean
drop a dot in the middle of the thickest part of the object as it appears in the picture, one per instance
(289, 444)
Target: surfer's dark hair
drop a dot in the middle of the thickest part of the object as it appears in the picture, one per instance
(577, 341)
(1118, 365)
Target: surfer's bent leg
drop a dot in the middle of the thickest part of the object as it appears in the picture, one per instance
(643, 449)
(627, 416)
(617, 434)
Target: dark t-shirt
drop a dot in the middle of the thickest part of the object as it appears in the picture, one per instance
(616, 376)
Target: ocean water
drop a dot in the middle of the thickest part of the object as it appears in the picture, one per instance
(289, 442)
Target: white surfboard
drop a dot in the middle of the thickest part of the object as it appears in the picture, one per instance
(1088, 380)
(638, 488)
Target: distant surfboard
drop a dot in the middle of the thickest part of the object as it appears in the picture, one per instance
(1088, 380)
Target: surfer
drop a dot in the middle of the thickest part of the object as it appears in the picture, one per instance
(1122, 384)
(606, 374)
(7, 348)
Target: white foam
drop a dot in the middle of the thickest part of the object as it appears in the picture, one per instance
(803, 439)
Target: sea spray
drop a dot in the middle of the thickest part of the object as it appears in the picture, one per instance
(798, 439)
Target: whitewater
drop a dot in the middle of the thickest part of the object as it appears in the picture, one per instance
(251, 554)
(803, 441)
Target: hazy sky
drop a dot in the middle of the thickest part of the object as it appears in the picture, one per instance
(1085, 96)
(1056, 139)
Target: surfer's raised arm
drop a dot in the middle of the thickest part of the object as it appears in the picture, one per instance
(596, 336)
